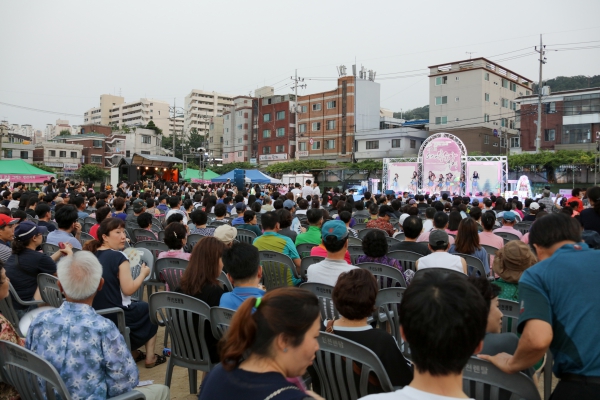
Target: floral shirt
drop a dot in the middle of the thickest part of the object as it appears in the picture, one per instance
(88, 351)
(382, 224)
(8, 333)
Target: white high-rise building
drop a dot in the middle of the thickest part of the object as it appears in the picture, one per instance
(200, 106)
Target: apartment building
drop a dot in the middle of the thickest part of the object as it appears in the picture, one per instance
(275, 133)
(101, 115)
(328, 121)
(16, 146)
(237, 129)
(64, 156)
(53, 130)
(177, 124)
(200, 106)
(97, 148)
(214, 140)
(143, 141)
(570, 120)
(475, 100)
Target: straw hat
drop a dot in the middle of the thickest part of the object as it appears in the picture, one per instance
(511, 260)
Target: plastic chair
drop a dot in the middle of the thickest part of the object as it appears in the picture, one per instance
(161, 236)
(7, 309)
(399, 237)
(142, 235)
(51, 294)
(120, 321)
(216, 224)
(304, 249)
(360, 226)
(393, 243)
(225, 281)
(245, 236)
(152, 280)
(193, 239)
(511, 311)
(406, 258)
(220, 320)
(87, 226)
(25, 370)
(482, 381)
(49, 249)
(278, 269)
(523, 227)
(420, 273)
(387, 314)
(491, 250)
(184, 317)
(169, 270)
(474, 264)
(323, 293)
(307, 262)
(507, 236)
(355, 252)
(85, 237)
(335, 363)
(364, 232)
(361, 219)
(354, 241)
(386, 276)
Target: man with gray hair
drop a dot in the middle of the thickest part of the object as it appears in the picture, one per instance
(87, 350)
(546, 200)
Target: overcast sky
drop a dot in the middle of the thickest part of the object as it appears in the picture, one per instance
(61, 56)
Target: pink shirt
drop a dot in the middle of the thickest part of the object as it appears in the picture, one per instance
(525, 238)
(175, 254)
(491, 239)
(510, 229)
(425, 237)
(320, 251)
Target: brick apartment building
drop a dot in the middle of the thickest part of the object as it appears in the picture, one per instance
(570, 120)
(98, 149)
(238, 121)
(275, 129)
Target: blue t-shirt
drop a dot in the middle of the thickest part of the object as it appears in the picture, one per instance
(235, 299)
(563, 291)
(61, 236)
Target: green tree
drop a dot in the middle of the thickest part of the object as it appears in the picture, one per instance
(296, 166)
(65, 132)
(415, 113)
(91, 173)
(125, 129)
(225, 168)
(155, 128)
(561, 83)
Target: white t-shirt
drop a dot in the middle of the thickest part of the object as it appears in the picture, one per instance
(441, 260)
(296, 192)
(408, 393)
(327, 271)
(427, 225)
(307, 191)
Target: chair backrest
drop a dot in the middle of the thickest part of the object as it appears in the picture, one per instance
(85, 237)
(506, 236)
(482, 381)
(278, 269)
(154, 246)
(406, 258)
(360, 219)
(161, 236)
(220, 319)
(225, 281)
(87, 226)
(323, 293)
(51, 294)
(194, 238)
(49, 249)
(362, 233)
(90, 220)
(422, 272)
(352, 241)
(399, 237)
(162, 270)
(245, 236)
(387, 314)
(360, 226)
(491, 250)
(511, 311)
(336, 364)
(474, 264)
(8, 311)
(523, 227)
(355, 252)
(304, 249)
(216, 223)
(307, 262)
(386, 276)
(142, 235)
(184, 317)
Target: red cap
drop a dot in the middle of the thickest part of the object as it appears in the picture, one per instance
(6, 220)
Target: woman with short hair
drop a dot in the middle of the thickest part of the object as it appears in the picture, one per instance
(375, 247)
(467, 242)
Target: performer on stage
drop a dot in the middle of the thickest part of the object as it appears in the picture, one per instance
(475, 183)
(414, 182)
(462, 184)
(448, 180)
(395, 182)
(431, 180)
(441, 183)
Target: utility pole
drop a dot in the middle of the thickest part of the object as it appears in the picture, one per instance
(174, 125)
(297, 107)
(538, 137)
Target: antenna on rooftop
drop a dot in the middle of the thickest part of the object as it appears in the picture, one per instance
(470, 53)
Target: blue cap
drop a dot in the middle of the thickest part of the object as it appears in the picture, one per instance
(334, 228)
(241, 206)
(509, 216)
(289, 204)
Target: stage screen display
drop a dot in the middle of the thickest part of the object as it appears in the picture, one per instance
(484, 178)
(441, 166)
(402, 177)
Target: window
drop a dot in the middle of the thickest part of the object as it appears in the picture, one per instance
(301, 128)
(73, 154)
(486, 139)
(503, 141)
(372, 144)
(457, 78)
(396, 143)
(7, 153)
(316, 107)
(413, 144)
(456, 98)
(97, 144)
(549, 135)
(486, 117)
(239, 126)
(330, 124)
(316, 145)
(53, 153)
(280, 115)
(266, 117)
(280, 149)
(303, 109)
(511, 124)
(504, 103)
(504, 122)
(128, 153)
(527, 93)
(515, 142)
(513, 87)
(97, 159)
(441, 120)
(267, 150)
(63, 154)
(330, 144)
(266, 133)
(239, 140)
(239, 153)
(512, 105)
(146, 139)
(145, 152)
(441, 100)
(487, 97)
(24, 154)
(302, 146)
(280, 132)
(441, 80)
(505, 83)
(316, 126)
(331, 104)
(486, 76)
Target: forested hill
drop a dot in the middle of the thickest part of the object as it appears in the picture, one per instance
(561, 83)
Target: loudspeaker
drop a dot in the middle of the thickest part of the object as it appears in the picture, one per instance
(239, 176)
(445, 191)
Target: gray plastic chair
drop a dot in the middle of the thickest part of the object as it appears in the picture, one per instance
(406, 258)
(141, 235)
(152, 280)
(8, 311)
(361, 219)
(491, 250)
(323, 293)
(474, 264)
(355, 252)
(360, 226)
(307, 262)
(245, 236)
(225, 281)
(194, 238)
(49, 249)
(170, 270)
(506, 236)
(400, 237)
(184, 317)
(511, 311)
(386, 276)
(216, 224)
(220, 320)
(523, 227)
(483, 381)
(90, 220)
(49, 290)
(161, 236)
(277, 269)
(354, 241)
(85, 237)
(87, 226)
(364, 232)
(422, 272)
(335, 362)
(304, 249)
(24, 370)
(387, 307)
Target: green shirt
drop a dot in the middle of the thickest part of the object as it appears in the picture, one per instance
(510, 291)
(312, 235)
(280, 244)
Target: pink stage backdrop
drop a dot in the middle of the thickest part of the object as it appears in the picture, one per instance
(489, 175)
(24, 178)
(441, 166)
(402, 177)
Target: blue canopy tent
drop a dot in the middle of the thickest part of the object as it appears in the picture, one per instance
(254, 175)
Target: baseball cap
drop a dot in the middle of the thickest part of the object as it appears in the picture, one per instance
(225, 233)
(534, 206)
(241, 206)
(138, 205)
(6, 220)
(334, 228)
(509, 215)
(438, 238)
(26, 230)
(289, 204)
(412, 201)
(403, 218)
